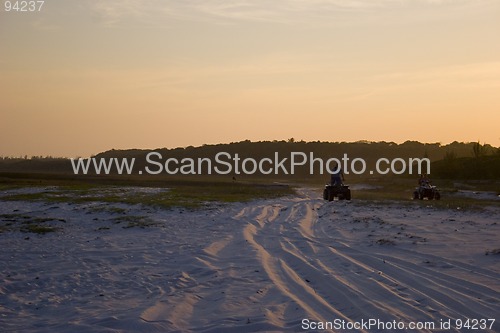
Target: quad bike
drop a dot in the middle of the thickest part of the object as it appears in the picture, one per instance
(426, 191)
(339, 191)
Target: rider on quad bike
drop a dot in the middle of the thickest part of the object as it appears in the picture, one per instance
(425, 189)
(336, 187)
(337, 176)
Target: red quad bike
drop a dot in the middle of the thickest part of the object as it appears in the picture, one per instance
(342, 192)
(426, 191)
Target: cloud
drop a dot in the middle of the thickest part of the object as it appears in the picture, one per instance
(474, 73)
(114, 11)
(279, 11)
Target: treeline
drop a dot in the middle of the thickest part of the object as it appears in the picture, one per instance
(455, 160)
(484, 167)
(35, 164)
(484, 164)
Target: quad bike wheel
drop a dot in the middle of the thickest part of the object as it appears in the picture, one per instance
(348, 195)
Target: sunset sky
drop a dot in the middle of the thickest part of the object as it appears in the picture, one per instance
(85, 76)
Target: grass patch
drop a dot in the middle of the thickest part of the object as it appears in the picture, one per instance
(381, 195)
(468, 204)
(103, 228)
(193, 196)
(139, 224)
(13, 217)
(452, 202)
(128, 218)
(4, 187)
(44, 219)
(134, 221)
(401, 191)
(108, 209)
(492, 252)
(25, 223)
(188, 194)
(384, 241)
(37, 229)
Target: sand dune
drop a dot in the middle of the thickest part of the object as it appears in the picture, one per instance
(262, 266)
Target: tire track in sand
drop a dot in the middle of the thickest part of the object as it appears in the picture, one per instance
(289, 259)
(269, 233)
(331, 279)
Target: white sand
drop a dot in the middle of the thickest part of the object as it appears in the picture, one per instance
(262, 266)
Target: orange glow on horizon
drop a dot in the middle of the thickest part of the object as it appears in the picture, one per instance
(80, 79)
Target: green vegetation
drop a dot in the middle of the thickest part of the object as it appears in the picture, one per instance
(482, 163)
(400, 190)
(471, 166)
(37, 229)
(190, 194)
(383, 189)
(108, 209)
(384, 241)
(404, 198)
(481, 167)
(26, 223)
(447, 158)
(134, 221)
(4, 187)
